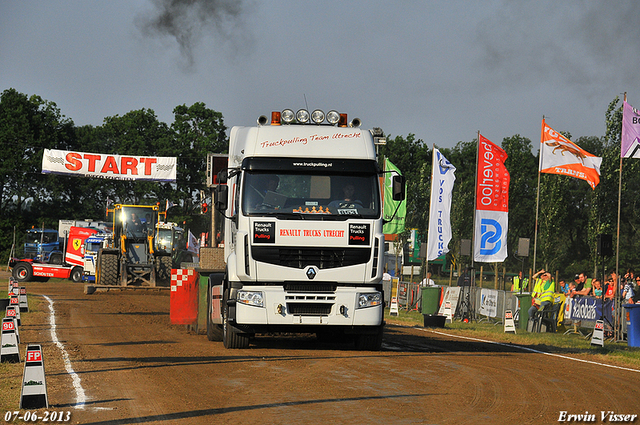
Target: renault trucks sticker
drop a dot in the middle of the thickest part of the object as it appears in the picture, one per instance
(264, 232)
(359, 234)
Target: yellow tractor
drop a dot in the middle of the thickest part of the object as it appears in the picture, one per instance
(133, 257)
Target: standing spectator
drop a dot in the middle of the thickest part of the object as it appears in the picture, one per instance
(628, 292)
(564, 287)
(610, 289)
(584, 285)
(520, 283)
(572, 289)
(596, 288)
(427, 281)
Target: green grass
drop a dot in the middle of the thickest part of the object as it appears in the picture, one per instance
(572, 344)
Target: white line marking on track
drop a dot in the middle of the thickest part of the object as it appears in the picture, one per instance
(80, 397)
(532, 350)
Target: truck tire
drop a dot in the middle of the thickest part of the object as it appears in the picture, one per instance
(163, 270)
(76, 274)
(214, 330)
(107, 270)
(22, 272)
(55, 259)
(231, 338)
(370, 342)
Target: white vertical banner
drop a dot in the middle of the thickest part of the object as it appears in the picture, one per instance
(443, 178)
(490, 240)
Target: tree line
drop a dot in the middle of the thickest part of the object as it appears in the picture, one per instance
(571, 215)
(28, 198)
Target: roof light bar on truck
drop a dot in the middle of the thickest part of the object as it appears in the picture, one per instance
(302, 116)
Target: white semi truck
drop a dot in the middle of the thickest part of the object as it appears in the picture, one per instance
(303, 239)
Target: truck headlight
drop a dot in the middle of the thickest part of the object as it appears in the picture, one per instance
(254, 298)
(369, 299)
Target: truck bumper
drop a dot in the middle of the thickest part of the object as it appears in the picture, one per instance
(308, 309)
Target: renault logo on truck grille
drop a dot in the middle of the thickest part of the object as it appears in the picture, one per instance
(311, 273)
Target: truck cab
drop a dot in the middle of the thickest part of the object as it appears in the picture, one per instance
(43, 245)
(303, 232)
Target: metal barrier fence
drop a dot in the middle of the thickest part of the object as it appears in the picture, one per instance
(489, 305)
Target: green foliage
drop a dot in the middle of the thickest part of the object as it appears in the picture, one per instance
(571, 215)
(29, 198)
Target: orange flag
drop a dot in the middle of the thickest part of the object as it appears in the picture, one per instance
(559, 155)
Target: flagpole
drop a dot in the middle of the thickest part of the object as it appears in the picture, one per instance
(619, 199)
(426, 254)
(475, 200)
(535, 234)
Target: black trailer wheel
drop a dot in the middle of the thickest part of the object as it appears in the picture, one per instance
(23, 272)
(76, 274)
(214, 330)
(231, 338)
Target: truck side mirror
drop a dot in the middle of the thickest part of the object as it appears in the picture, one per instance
(398, 182)
(221, 197)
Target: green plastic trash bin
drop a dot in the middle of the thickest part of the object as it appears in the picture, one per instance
(525, 303)
(430, 299)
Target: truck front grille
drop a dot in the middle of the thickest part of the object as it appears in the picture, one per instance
(323, 258)
(309, 309)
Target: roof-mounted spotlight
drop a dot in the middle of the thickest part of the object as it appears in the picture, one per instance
(317, 116)
(288, 116)
(333, 117)
(355, 123)
(302, 116)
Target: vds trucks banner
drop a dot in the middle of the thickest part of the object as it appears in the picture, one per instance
(492, 204)
(117, 167)
(443, 177)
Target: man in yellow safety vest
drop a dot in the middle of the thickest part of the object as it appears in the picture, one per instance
(520, 283)
(542, 292)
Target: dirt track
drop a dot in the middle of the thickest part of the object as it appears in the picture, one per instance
(137, 368)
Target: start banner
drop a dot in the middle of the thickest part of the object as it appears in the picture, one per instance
(105, 166)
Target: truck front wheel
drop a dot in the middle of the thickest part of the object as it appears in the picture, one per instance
(231, 338)
(370, 342)
(22, 272)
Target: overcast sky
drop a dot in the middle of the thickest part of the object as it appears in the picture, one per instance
(442, 70)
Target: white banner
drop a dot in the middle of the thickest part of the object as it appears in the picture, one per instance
(488, 302)
(104, 166)
(490, 240)
(193, 244)
(451, 295)
(440, 206)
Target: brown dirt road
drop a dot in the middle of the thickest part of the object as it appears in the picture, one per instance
(135, 367)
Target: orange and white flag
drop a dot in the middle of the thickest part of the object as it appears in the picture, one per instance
(559, 155)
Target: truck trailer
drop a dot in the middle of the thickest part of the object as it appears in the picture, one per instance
(303, 240)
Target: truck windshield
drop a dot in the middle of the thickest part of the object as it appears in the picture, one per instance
(333, 195)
